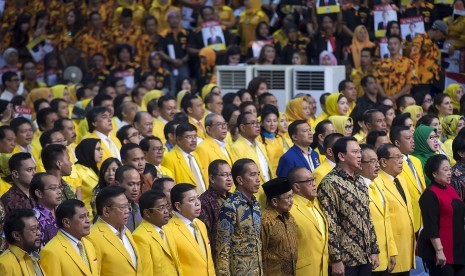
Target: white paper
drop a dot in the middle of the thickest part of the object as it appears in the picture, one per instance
(172, 55)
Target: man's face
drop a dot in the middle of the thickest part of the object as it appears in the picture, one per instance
(133, 136)
(372, 87)
(159, 215)
(250, 180)
(30, 71)
(24, 135)
(80, 222)
(353, 156)
(406, 142)
(69, 131)
(190, 205)
(66, 164)
(394, 163)
(13, 84)
(306, 183)
(219, 128)
(271, 100)
(168, 110)
(187, 141)
(103, 123)
(31, 235)
(173, 20)
(365, 59)
(284, 202)
(197, 110)
(378, 122)
(25, 173)
(51, 196)
(151, 26)
(370, 164)
(350, 92)
(222, 182)
(136, 159)
(394, 46)
(217, 105)
(251, 129)
(155, 153)
(145, 125)
(117, 213)
(50, 120)
(381, 140)
(131, 183)
(208, 15)
(8, 143)
(303, 136)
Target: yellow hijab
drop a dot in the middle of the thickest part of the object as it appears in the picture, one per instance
(179, 97)
(414, 110)
(357, 45)
(331, 104)
(38, 93)
(206, 89)
(339, 123)
(294, 109)
(451, 90)
(59, 90)
(153, 94)
(449, 125)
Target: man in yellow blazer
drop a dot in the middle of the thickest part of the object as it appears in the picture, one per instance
(312, 228)
(167, 108)
(117, 253)
(100, 127)
(22, 232)
(400, 207)
(326, 166)
(69, 252)
(214, 146)
(153, 151)
(190, 233)
(156, 245)
(184, 162)
(379, 210)
(412, 170)
(193, 106)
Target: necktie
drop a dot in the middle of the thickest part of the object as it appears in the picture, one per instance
(83, 254)
(37, 269)
(163, 237)
(375, 193)
(400, 189)
(199, 238)
(412, 168)
(195, 173)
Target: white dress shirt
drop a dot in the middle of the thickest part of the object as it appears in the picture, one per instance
(187, 222)
(109, 143)
(196, 167)
(261, 159)
(368, 182)
(126, 243)
(74, 242)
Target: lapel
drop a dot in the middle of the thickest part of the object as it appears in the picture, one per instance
(182, 227)
(409, 174)
(299, 155)
(103, 145)
(218, 152)
(302, 207)
(156, 236)
(73, 254)
(391, 188)
(116, 242)
(184, 165)
(377, 203)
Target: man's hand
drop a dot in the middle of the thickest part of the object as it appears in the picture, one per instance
(374, 261)
(392, 263)
(337, 268)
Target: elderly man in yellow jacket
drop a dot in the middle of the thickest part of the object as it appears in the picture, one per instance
(117, 253)
(69, 252)
(379, 210)
(190, 233)
(400, 206)
(312, 228)
(156, 245)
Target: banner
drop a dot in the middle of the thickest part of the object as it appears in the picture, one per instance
(39, 47)
(327, 6)
(411, 27)
(382, 15)
(212, 34)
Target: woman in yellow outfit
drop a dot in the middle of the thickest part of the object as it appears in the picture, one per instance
(210, 88)
(248, 21)
(88, 154)
(225, 14)
(451, 126)
(336, 105)
(415, 111)
(456, 26)
(282, 128)
(343, 124)
(299, 109)
(455, 92)
(268, 135)
(149, 96)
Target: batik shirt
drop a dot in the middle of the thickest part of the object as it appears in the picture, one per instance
(47, 222)
(427, 57)
(393, 75)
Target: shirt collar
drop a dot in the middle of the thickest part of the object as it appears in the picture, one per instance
(20, 253)
(331, 162)
(216, 194)
(70, 237)
(366, 180)
(244, 198)
(185, 154)
(113, 229)
(162, 119)
(252, 145)
(184, 219)
(46, 212)
(101, 135)
(390, 176)
(222, 143)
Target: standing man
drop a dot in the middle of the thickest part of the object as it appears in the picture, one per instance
(353, 249)
(300, 154)
(238, 243)
(400, 207)
(379, 210)
(279, 229)
(312, 227)
(129, 178)
(190, 234)
(194, 108)
(329, 162)
(117, 252)
(155, 244)
(220, 177)
(22, 232)
(69, 252)
(167, 107)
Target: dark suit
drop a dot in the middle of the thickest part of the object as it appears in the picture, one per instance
(381, 26)
(409, 37)
(218, 40)
(294, 158)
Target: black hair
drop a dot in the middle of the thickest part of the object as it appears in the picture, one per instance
(46, 137)
(292, 129)
(228, 110)
(401, 101)
(92, 116)
(364, 80)
(262, 97)
(178, 191)
(169, 129)
(340, 146)
(42, 117)
(238, 168)
(7, 76)
(267, 110)
(254, 84)
(67, 209)
(147, 200)
(51, 154)
(183, 128)
(3, 130)
(433, 164)
(119, 174)
(17, 122)
(122, 133)
(400, 119)
(126, 148)
(383, 151)
(145, 143)
(59, 123)
(14, 223)
(55, 104)
(214, 166)
(330, 140)
(181, 117)
(244, 105)
(163, 99)
(319, 129)
(15, 162)
(395, 133)
(437, 100)
(229, 98)
(186, 101)
(121, 47)
(118, 101)
(103, 169)
(105, 197)
(373, 136)
(159, 183)
(426, 120)
(37, 183)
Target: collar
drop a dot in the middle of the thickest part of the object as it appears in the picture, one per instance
(366, 180)
(220, 143)
(20, 254)
(185, 154)
(195, 120)
(389, 176)
(113, 229)
(28, 148)
(252, 145)
(331, 162)
(101, 135)
(276, 214)
(216, 193)
(345, 175)
(70, 237)
(184, 219)
(41, 209)
(162, 119)
(245, 199)
(158, 229)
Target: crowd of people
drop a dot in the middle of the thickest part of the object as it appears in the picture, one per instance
(141, 165)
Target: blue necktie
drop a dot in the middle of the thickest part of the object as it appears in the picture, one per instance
(410, 164)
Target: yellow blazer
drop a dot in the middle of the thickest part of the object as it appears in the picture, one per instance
(175, 162)
(210, 151)
(33, 153)
(321, 171)
(103, 145)
(158, 130)
(413, 189)
(14, 261)
(200, 129)
(89, 181)
(274, 150)
(113, 258)
(193, 261)
(382, 221)
(59, 257)
(402, 229)
(312, 255)
(157, 258)
(165, 171)
(4, 186)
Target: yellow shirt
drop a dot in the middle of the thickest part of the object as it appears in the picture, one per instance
(89, 181)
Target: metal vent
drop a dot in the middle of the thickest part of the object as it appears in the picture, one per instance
(309, 80)
(232, 79)
(276, 79)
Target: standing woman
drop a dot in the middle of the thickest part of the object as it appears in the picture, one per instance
(426, 144)
(299, 109)
(269, 135)
(442, 241)
(88, 154)
(106, 177)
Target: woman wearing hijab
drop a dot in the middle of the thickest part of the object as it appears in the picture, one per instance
(248, 21)
(451, 126)
(88, 154)
(343, 124)
(426, 144)
(415, 111)
(360, 40)
(455, 92)
(299, 109)
(210, 88)
(160, 9)
(336, 105)
(148, 97)
(38, 93)
(207, 72)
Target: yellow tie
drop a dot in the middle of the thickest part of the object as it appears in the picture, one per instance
(318, 217)
(37, 269)
(375, 193)
(197, 177)
(163, 237)
(83, 254)
(199, 238)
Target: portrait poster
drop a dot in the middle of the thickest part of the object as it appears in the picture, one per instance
(212, 35)
(39, 47)
(382, 16)
(327, 6)
(411, 27)
(258, 45)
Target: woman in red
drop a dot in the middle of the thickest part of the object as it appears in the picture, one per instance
(442, 241)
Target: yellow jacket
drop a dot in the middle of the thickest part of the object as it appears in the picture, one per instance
(112, 256)
(4, 186)
(59, 257)
(14, 261)
(158, 130)
(211, 151)
(89, 181)
(274, 150)
(175, 162)
(193, 261)
(413, 188)
(34, 156)
(382, 222)
(402, 229)
(200, 129)
(157, 257)
(312, 255)
(321, 171)
(103, 145)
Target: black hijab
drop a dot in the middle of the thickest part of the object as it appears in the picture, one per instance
(85, 153)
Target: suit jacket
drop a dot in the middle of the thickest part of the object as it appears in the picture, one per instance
(175, 162)
(14, 261)
(294, 158)
(200, 129)
(323, 169)
(112, 256)
(218, 40)
(157, 257)
(380, 26)
(59, 257)
(158, 130)
(106, 150)
(413, 188)
(312, 256)
(193, 261)
(210, 151)
(382, 221)
(89, 181)
(409, 37)
(402, 230)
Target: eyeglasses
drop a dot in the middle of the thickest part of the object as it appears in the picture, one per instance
(252, 123)
(309, 181)
(14, 80)
(135, 134)
(159, 149)
(395, 157)
(225, 175)
(222, 125)
(190, 137)
(371, 161)
(122, 208)
(35, 230)
(161, 208)
(433, 137)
